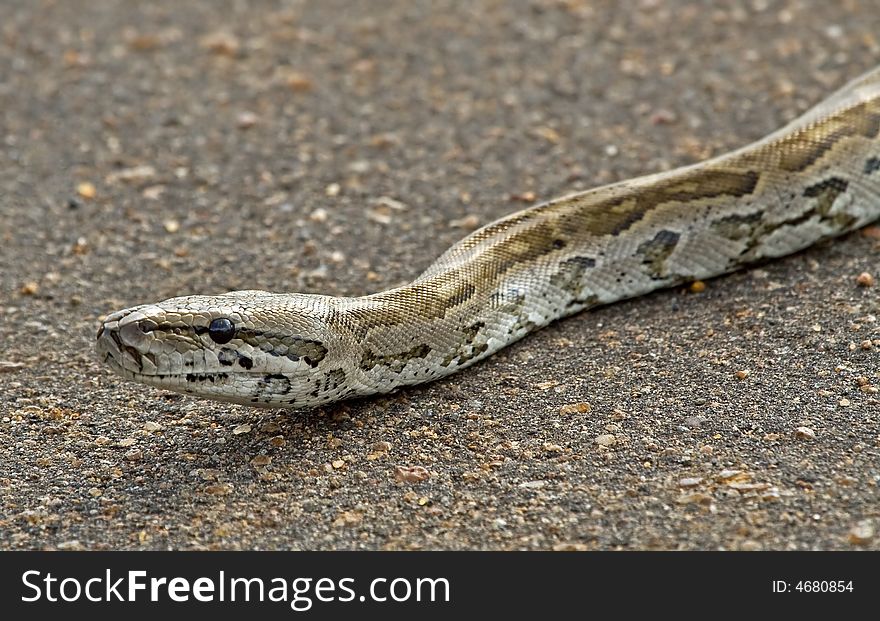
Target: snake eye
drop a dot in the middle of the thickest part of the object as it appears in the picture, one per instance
(221, 330)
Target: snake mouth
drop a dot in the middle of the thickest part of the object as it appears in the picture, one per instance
(167, 380)
(116, 346)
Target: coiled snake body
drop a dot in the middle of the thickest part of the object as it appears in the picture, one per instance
(816, 178)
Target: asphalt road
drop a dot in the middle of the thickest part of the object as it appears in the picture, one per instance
(168, 148)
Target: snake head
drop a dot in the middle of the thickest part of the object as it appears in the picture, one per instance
(250, 347)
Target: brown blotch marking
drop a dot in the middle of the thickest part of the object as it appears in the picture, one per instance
(589, 302)
(797, 153)
(466, 354)
(470, 332)
(291, 346)
(826, 192)
(428, 299)
(395, 362)
(737, 227)
(467, 351)
(607, 212)
(571, 273)
(654, 252)
(807, 146)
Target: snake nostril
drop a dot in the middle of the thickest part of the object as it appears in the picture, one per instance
(147, 325)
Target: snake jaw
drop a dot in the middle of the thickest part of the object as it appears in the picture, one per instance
(114, 342)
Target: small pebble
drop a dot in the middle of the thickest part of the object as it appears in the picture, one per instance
(221, 44)
(468, 222)
(379, 215)
(865, 280)
(749, 487)
(152, 426)
(171, 226)
(547, 133)
(606, 439)
(29, 288)
(221, 489)
(693, 422)
(743, 374)
(698, 286)
(135, 174)
(298, 82)
(240, 429)
(730, 474)
(663, 117)
(532, 484)
(319, 215)
(154, 192)
(261, 461)
(524, 197)
(411, 474)
(862, 533)
(348, 518)
(695, 498)
(804, 433)
(575, 408)
(86, 190)
(246, 120)
(391, 203)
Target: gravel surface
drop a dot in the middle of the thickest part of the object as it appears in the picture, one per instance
(168, 148)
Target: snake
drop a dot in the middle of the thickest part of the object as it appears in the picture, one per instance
(816, 178)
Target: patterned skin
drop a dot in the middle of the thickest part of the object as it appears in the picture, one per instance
(816, 178)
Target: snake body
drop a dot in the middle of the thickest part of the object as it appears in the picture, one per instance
(816, 178)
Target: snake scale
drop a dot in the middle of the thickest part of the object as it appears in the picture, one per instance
(816, 178)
